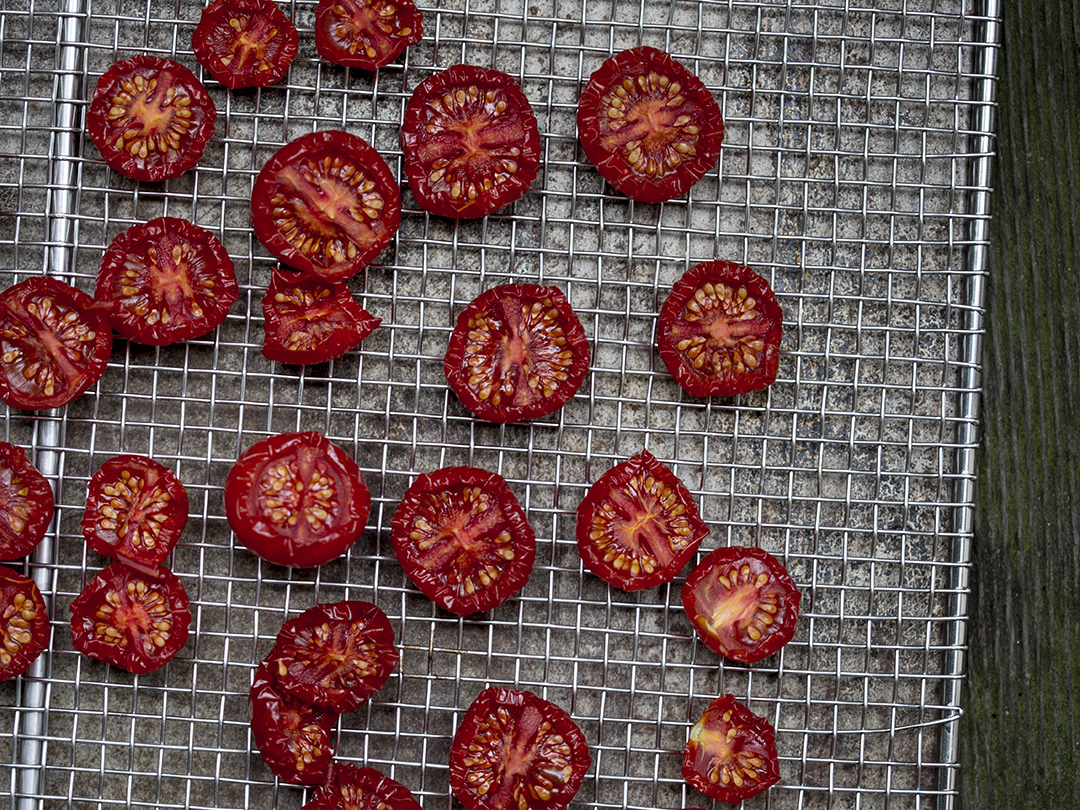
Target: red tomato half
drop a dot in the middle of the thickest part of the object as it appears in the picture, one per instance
(54, 344)
(245, 43)
(130, 620)
(471, 142)
(308, 320)
(731, 754)
(463, 539)
(166, 281)
(742, 603)
(353, 788)
(638, 525)
(366, 34)
(518, 352)
(24, 623)
(335, 655)
(26, 503)
(516, 751)
(720, 331)
(150, 118)
(649, 125)
(326, 204)
(296, 499)
(295, 739)
(136, 510)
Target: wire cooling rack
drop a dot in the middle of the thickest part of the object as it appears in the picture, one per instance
(853, 176)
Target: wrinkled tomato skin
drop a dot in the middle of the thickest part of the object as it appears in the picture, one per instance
(136, 510)
(24, 623)
(366, 34)
(325, 171)
(638, 506)
(471, 142)
(150, 118)
(518, 352)
(737, 593)
(314, 516)
(720, 331)
(308, 320)
(503, 757)
(166, 281)
(476, 529)
(150, 617)
(245, 43)
(336, 655)
(735, 746)
(54, 343)
(294, 738)
(26, 503)
(351, 788)
(651, 128)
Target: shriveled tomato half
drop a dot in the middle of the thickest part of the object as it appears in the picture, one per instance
(308, 320)
(326, 204)
(166, 281)
(296, 499)
(26, 503)
(24, 623)
(245, 43)
(366, 34)
(471, 142)
(136, 510)
(720, 330)
(54, 343)
(295, 739)
(518, 352)
(650, 126)
(130, 620)
(742, 603)
(516, 751)
(638, 525)
(463, 539)
(351, 788)
(150, 118)
(336, 655)
(731, 754)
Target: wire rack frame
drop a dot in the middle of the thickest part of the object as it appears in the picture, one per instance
(854, 176)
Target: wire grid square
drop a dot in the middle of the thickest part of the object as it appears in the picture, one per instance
(842, 179)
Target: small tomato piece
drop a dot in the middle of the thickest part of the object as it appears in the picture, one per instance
(366, 34)
(245, 43)
(26, 503)
(351, 788)
(24, 623)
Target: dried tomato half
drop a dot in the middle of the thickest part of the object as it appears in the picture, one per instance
(245, 43)
(24, 623)
(351, 788)
(26, 503)
(366, 34)
(150, 118)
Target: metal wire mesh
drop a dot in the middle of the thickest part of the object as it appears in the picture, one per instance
(843, 180)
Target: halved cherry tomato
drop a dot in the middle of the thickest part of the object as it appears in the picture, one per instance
(366, 34)
(24, 623)
(518, 352)
(638, 525)
(296, 499)
(166, 281)
(54, 343)
(463, 539)
(720, 331)
(353, 788)
(295, 739)
(471, 142)
(26, 503)
(245, 43)
(308, 320)
(731, 754)
(742, 603)
(651, 127)
(130, 620)
(516, 751)
(150, 118)
(326, 204)
(136, 510)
